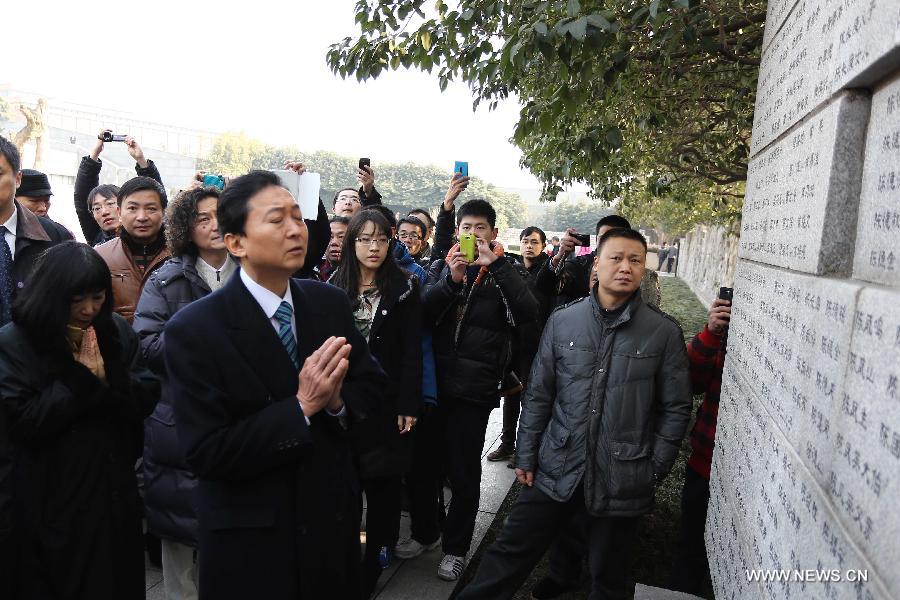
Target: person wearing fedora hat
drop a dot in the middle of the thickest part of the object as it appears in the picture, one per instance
(34, 192)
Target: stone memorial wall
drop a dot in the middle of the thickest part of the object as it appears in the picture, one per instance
(806, 471)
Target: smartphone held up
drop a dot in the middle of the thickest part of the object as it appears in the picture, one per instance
(461, 168)
(467, 246)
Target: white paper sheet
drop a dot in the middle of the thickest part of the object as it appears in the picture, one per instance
(305, 189)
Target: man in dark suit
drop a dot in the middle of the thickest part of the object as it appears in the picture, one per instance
(277, 495)
(23, 236)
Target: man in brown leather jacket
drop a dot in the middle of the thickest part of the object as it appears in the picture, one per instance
(140, 246)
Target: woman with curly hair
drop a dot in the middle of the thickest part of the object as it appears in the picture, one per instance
(199, 266)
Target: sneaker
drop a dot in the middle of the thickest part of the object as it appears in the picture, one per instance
(410, 548)
(503, 452)
(548, 588)
(451, 567)
(384, 557)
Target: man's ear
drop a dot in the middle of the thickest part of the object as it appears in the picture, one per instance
(494, 233)
(234, 243)
(18, 179)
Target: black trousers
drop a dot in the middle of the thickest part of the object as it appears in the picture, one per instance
(424, 482)
(382, 525)
(690, 566)
(453, 436)
(464, 428)
(530, 528)
(511, 408)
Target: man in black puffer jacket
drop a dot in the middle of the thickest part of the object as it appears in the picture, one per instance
(200, 265)
(475, 309)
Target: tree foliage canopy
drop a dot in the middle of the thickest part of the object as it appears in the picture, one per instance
(616, 94)
(404, 186)
(582, 215)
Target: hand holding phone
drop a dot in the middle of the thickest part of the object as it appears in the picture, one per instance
(461, 168)
(366, 176)
(581, 239)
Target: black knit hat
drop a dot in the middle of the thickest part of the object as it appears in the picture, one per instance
(34, 184)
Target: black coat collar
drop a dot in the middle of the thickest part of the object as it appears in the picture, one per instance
(401, 290)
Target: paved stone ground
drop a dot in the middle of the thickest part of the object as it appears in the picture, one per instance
(417, 579)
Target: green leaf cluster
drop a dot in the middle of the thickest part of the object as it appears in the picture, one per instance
(403, 186)
(582, 215)
(617, 94)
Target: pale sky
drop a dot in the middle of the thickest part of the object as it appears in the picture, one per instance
(255, 66)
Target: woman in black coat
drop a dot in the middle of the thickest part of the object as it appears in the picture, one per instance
(74, 395)
(388, 313)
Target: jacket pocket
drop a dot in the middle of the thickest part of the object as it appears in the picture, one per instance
(241, 518)
(551, 455)
(633, 366)
(630, 470)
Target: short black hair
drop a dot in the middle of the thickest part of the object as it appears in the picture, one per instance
(384, 210)
(622, 232)
(339, 219)
(9, 151)
(529, 230)
(107, 190)
(415, 222)
(181, 215)
(233, 202)
(43, 307)
(616, 221)
(429, 221)
(338, 193)
(555, 238)
(478, 208)
(140, 183)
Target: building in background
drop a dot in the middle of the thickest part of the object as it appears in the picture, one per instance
(71, 130)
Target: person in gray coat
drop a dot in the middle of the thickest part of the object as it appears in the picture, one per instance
(602, 420)
(199, 266)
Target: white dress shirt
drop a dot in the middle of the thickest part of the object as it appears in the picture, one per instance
(269, 301)
(9, 236)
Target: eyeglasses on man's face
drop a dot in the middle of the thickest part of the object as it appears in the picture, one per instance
(406, 235)
(98, 207)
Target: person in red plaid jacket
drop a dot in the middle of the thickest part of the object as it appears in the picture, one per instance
(706, 354)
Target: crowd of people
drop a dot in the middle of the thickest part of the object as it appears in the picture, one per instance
(237, 380)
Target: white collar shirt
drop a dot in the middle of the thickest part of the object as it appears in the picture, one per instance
(12, 226)
(270, 301)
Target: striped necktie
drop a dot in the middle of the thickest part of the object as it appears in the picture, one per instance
(284, 315)
(6, 279)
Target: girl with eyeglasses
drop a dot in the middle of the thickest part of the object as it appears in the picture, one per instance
(387, 308)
